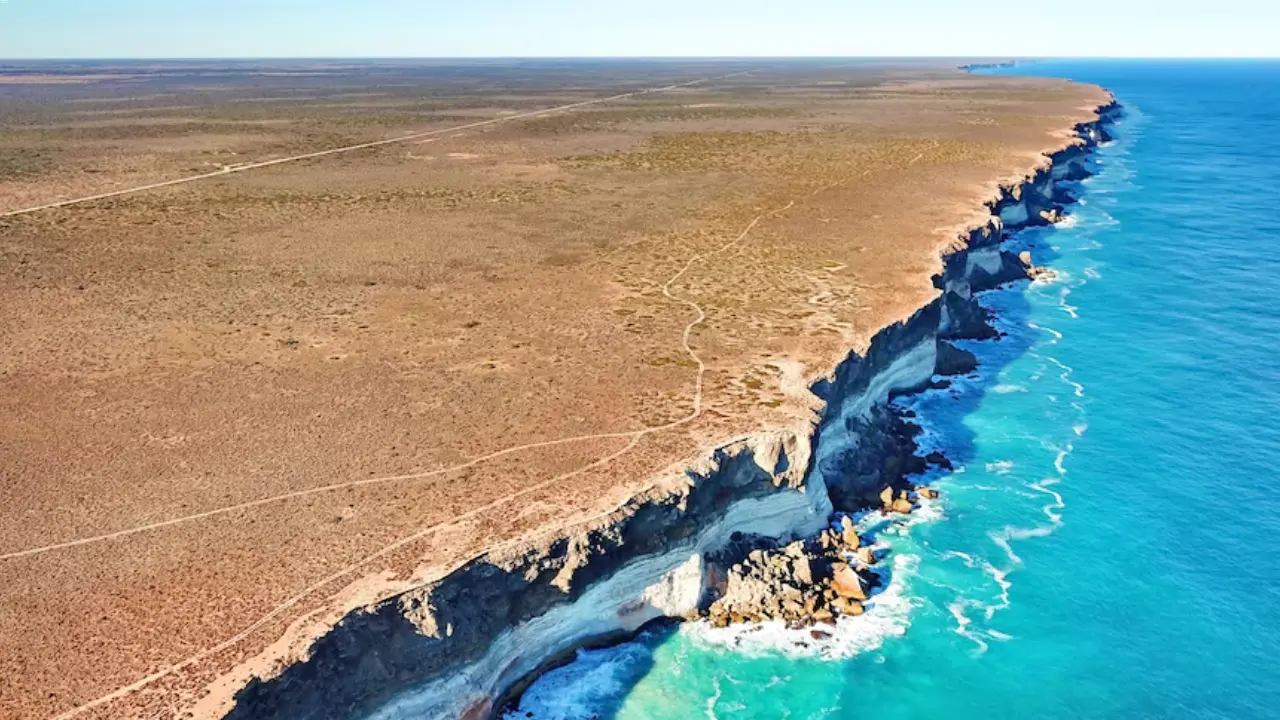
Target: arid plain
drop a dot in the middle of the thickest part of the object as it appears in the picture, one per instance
(236, 405)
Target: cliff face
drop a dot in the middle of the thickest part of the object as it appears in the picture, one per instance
(459, 647)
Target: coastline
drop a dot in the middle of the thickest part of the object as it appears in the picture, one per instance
(461, 646)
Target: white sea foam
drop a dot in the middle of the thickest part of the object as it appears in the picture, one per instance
(1065, 375)
(963, 556)
(1005, 388)
(1056, 335)
(577, 691)
(957, 610)
(1051, 510)
(1001, 537)
(1060, 460)
(1000, 467)
(1001, 578)
(711, 701)
(1005, 536)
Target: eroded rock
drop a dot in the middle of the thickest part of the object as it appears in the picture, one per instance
(847, 583)
(849, 534)
(805, 582)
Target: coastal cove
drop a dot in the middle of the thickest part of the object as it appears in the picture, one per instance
(658, 556)
(1102, 547)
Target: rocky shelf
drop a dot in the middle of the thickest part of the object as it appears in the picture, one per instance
(806, 582)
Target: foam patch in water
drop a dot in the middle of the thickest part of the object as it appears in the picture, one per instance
(580, 689)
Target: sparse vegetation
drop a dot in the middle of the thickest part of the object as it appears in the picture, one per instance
(397, 311)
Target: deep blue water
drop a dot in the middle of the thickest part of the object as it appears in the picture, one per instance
(1110, 544)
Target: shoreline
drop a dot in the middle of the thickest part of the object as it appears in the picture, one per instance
(437, 651)
(934, 464)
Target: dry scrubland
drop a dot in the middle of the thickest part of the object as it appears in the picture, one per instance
(408, 309)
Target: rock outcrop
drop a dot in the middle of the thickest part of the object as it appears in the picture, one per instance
(803, 583)
(1034, 272)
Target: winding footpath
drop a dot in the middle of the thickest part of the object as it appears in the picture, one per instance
(635, 438)
(27, 552)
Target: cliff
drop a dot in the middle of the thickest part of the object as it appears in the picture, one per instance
(463, 645)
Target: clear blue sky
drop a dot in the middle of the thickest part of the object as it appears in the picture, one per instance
(528, 28)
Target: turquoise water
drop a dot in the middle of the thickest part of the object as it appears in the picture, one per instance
(1109, 546)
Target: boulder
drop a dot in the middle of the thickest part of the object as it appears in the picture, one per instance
(845, 606)
(866, 557)
(847, 583)
(1025, 257)
(937, 458)
(802, 571)
(792, 610)
(849, 534)
(927, 493)
(953, 360)
(902, 505)
(886, 496)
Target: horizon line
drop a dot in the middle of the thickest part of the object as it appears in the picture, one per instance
(1001, 58)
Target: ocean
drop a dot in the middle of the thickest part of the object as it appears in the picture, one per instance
(1108, 545)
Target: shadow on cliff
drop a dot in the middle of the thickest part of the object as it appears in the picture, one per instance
(1011, 309)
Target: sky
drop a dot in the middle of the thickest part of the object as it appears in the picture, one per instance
(615, 28)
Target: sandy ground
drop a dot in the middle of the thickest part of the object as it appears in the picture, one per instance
(225, 402)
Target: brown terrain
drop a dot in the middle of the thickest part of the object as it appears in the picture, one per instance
(232, 405)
